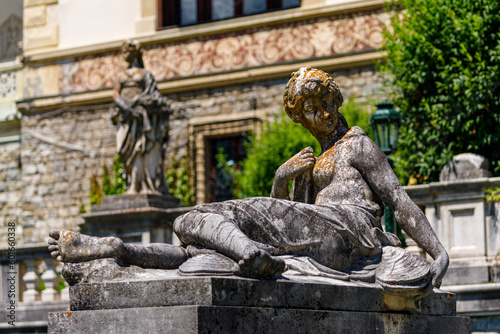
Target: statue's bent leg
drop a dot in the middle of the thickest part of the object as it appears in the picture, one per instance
(219, 233)
(67, 246)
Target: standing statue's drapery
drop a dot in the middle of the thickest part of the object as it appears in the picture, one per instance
(141, 116)
(327, 226)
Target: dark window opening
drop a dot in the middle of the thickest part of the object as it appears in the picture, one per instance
(187, 12)
(220, 183)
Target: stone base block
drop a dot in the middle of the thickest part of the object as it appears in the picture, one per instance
(225, 319)
(124, 202)
(171, 303)
(236, 291)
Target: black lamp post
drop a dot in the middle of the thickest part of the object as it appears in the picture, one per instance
(385, 123)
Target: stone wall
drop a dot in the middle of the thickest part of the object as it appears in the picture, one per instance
(10, 185)
(60, 150)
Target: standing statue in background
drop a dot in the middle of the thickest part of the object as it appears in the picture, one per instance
(141, 117)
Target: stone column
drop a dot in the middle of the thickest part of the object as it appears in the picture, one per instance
(65, 291)
(29, 279)
(48, 277)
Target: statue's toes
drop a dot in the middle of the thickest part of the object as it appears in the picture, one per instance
(55, 254)
(53, 248)
(54, 234)
(52, 241)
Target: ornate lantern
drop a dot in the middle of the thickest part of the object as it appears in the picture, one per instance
(385, 123)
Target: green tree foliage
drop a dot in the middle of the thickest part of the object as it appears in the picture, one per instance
(176, 174)
(277, 143)
(493, 194)
(444, 68)
(112, 183)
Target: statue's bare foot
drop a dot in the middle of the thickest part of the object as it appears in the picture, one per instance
(259, 264)
(67, 246)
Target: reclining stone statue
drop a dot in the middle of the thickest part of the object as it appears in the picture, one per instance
(328, 225)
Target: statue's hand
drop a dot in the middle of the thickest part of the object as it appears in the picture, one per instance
(295, 166)
(298, 164)
(438, 269)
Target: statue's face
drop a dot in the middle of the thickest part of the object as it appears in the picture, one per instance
(129, 55)
(320, 114)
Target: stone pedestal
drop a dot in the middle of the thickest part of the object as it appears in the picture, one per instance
(179, 304)
(466, 224)
(138, 218)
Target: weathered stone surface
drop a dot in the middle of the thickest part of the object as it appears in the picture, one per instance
(465, 166)
(224, 319)
(123, 202)
(327, 226)
(157, 288)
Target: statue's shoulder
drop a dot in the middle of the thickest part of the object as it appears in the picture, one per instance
(356, 140)
(354, 133)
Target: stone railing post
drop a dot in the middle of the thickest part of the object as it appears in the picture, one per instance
(64, 292)
(29, 279)
(48, 277)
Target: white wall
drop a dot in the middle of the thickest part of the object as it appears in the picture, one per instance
(87, 22)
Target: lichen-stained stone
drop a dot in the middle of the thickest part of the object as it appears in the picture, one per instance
(167, 302)
(326, 226)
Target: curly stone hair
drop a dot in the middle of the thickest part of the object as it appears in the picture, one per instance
(309, 81)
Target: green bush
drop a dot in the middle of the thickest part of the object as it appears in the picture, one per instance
(176, 174)
(443, 65)
(112, 183)
(278, 141)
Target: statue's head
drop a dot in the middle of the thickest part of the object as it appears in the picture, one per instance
(311, 84)
(131, 50)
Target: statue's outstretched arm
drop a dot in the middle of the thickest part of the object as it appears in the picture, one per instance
(373, 165)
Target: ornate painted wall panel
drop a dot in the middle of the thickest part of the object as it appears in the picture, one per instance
(308, 39)
(7, 84)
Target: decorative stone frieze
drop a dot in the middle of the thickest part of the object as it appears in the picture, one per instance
(329, 36)
(8, 84)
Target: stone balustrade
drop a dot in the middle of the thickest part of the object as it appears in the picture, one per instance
(38, 277)
(33, 284)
